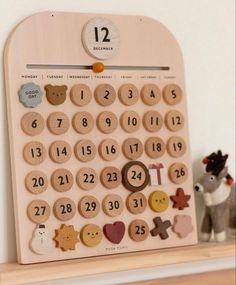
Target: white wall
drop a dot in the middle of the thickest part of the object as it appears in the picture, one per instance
(205, 31)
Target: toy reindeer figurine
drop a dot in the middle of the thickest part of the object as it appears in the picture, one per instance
(219, 197)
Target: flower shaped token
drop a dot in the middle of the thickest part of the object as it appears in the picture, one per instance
(30, 95)
(66, 237)
(182, 225)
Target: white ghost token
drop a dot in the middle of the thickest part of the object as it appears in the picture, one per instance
(41, 242)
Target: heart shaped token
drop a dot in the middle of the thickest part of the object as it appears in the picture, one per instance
(114, 232)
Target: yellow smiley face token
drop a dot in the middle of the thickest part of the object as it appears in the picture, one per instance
(91, 235)
(158, 201)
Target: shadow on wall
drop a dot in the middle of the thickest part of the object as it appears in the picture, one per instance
(198, 170)
(9, 225)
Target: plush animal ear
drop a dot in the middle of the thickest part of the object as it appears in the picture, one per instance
(223, 173)
(64, 87)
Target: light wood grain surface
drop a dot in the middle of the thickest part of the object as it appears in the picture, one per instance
(13, 273)
(209, 278)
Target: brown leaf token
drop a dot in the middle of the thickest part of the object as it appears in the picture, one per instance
(135, 176)
(66, 237)
(174, 121)
(128, 94)
(172, 94)
(109, 149)
(85, 150)
(89, 207)
(34, 153)
(38, 211)
(138, 230)
(58, 123)
(64, 209)
(87, 178)
(178, 173)
(152, 121)
(151, 94)
(136, 203)
(105, 95)
(80, 95)
(155, 147)
(91, 235)
(113, 205)
(111, 177)
(130, 121)
(60, 151)
(32, 123)
(36, 182)
(132, 148)
(176, 146)
(83, 122)
(62, 180)
(107, 122)
(180, 199)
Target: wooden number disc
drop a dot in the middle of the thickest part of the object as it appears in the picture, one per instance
(135, 176)
(132, 148)
(83, 122)
(36, 182)
(62, 180)
(174, 121)
(91, 235)
(38, 211)
(101, 38)
(152, 121)
(105, 95)
(64, 209)
(89, 207)
(107, 122)
(34, 153)
(85, 150)
(130, 121)
(172, 94)
(111, 177)
(113, 205)
(109, 149)
(128, 94)
(80, 95)
(155, 147)
(178, 173)
(87, 178)
(60, 151)
(136, 203)
(176, 146)
(151, 94)
(58, 123)
(138, 230)
(32, 123)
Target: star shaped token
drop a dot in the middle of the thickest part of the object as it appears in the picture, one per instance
(66, 237)
(180, 199)
(160, 228)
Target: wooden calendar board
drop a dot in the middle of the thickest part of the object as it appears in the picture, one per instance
(99, 151)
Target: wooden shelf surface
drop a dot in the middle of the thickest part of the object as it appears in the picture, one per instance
(13, 273)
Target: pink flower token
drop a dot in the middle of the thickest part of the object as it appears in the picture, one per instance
(182, 225)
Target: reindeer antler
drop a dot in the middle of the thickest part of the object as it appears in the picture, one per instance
(215, 162)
